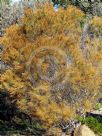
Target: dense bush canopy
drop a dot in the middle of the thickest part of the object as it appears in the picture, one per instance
(55, 63)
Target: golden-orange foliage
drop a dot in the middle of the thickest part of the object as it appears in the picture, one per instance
(43, 35)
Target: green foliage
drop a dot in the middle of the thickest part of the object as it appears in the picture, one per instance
(3, 2)
(61, 2)
(98, 105)
(94, 123)
(21, 127)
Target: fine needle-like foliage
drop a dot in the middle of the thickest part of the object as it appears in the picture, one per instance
(54, 64)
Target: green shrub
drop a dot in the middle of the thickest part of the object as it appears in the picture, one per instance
(98, 105)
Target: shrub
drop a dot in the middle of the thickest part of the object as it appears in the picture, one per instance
(90, 7)
(10, 12)
(54, 63)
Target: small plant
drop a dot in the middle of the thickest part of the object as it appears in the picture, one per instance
(98, 106)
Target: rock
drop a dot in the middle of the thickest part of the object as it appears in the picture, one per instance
(95, 114)
(83, 130)
(99, 111)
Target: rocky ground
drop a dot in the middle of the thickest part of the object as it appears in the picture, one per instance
(84, 131)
